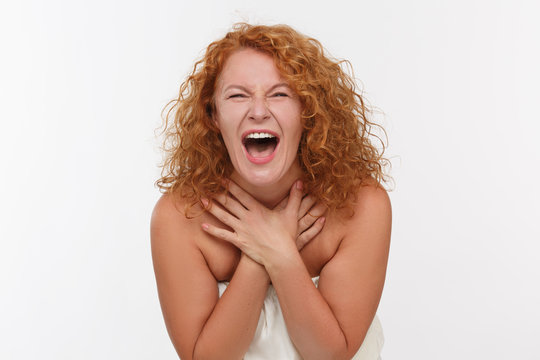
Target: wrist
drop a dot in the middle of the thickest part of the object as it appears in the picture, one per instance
(252, 266)
(288, 257)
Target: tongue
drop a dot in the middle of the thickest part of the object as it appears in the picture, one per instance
(260, 150)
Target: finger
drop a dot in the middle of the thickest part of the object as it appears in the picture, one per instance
(222, 215)
(295, 197)
(313, 214)
(243, 197)
(310, 233)
(318, 210)
(222, 234)
(305, 205)
(233, 206)
(305, 222)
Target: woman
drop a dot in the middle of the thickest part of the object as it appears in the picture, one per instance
(246, 265)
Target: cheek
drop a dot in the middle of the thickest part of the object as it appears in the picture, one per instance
(229, 114)
(290, 112)
(295, 124)
(226, 130)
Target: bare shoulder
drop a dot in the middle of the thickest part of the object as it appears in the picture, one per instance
(180, 238)
(368, 228)
(172, 234)
(372, 203)
(167, 208)
(174, 237)
(166, 224)
(169, 221)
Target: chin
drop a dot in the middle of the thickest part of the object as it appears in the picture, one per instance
(259, 178)
(269, 174)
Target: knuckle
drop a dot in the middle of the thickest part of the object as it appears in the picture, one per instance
(308, 220)
(310, 201)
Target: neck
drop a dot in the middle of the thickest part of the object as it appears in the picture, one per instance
(268, 195)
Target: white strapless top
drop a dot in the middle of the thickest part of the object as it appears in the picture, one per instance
(271, 340)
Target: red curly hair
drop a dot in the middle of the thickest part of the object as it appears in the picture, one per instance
(336, 152)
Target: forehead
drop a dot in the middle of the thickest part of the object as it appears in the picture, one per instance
(249, 67)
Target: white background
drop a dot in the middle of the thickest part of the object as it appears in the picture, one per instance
(82, 86)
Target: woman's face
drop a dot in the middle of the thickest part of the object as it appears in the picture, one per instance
(258, 116)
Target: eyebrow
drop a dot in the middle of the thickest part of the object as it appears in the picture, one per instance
(243, 88)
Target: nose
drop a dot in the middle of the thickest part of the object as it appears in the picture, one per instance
(259, 109)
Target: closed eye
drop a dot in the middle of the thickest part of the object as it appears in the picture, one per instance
(237, 96)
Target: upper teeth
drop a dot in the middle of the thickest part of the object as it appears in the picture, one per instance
(259, 135)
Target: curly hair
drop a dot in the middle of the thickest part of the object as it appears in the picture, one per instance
(336, 153)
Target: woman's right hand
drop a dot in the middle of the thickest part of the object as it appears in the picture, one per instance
(310, 219)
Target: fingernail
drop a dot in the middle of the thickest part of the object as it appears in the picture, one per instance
(322, 219)
(205, 202)
(299, 185)
(205, 226)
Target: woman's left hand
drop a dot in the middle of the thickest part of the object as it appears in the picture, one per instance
(310, 219)
(261, 233)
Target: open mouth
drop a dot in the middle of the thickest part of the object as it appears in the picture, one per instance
(260, 144)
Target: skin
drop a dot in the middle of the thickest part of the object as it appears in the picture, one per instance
(247, 239)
